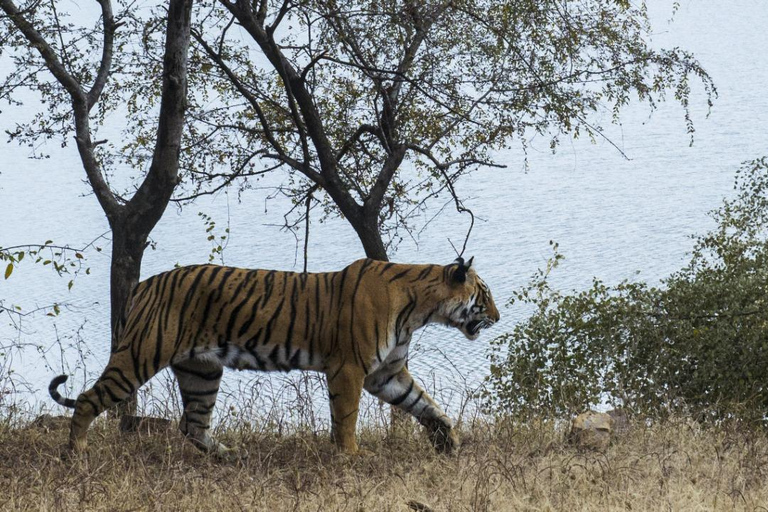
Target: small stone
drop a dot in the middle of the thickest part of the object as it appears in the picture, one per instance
(143, 424)
(48, 423)
(418, 506)
(591, 431)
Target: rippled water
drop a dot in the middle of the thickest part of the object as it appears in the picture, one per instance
(612, 217)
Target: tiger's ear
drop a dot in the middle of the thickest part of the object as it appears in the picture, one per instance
(460, 274)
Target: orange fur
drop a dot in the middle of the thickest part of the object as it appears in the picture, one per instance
(354, 325)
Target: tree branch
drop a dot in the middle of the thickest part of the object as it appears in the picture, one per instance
(279, 18)
(149, 201)
(465, 162)
(105, 66)
(384, 178)
(229, 178)
(254, 103)
(51, 246)
(461, 209)
(306, 226)
(443, 167)
(50, 58)
(299, 99)
(349, 143)
(290, 77)
(81, 108)
(312, 63)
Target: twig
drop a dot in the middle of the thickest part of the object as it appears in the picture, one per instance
(306, 224)
(60, 247)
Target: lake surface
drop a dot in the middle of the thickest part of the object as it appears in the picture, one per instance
(611, 216)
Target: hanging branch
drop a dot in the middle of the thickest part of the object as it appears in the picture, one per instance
(443, 168)
(459, 208)
(306, 224)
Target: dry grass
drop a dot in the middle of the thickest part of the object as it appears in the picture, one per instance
(675, 466)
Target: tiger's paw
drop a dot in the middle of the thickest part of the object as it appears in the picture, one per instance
(445, 440)
(229, 455)
(355, 453)
(69, 455)
(443, 437)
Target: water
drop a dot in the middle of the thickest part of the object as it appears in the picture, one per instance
(612, 217)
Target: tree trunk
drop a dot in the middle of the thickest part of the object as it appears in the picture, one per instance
(131, 222)
(127, 252)
(135, 220)
(367, 230)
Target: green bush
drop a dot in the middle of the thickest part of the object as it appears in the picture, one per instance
(697, 344)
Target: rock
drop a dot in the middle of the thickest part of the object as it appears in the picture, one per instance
(418, 506)
(144, 424)
(48, 422)
(591, 431)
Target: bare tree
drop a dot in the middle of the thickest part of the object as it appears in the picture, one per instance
(42, 42)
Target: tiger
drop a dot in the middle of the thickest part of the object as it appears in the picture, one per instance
(354, 325)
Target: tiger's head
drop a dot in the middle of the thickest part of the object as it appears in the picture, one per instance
(469, 305)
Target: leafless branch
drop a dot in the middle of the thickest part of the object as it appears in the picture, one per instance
(22, 314)
(254, 104)
(228, 179)
(442, 167)
(80, 101)
(384, 178)
(312, 63)
(106, 53)
(65, 60)
(46, 52)
(279, 18)
(306, 224)
(600, 132)
(464, 162)
(223, 35)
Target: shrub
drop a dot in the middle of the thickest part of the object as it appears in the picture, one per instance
(696, 344)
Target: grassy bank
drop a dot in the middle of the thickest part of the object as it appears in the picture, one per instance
(675, 466)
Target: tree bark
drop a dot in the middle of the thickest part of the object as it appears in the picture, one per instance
(368, 232)
(127, 253)
(124, 273)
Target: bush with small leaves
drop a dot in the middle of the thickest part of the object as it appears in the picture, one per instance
(697, 344)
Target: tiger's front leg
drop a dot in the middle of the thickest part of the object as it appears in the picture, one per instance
(199, 385)
(399, 389)
(345, 385)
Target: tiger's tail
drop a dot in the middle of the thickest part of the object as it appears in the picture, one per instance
(52, 389)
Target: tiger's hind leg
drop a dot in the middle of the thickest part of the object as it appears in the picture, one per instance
(116, 384)
(199, 385)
